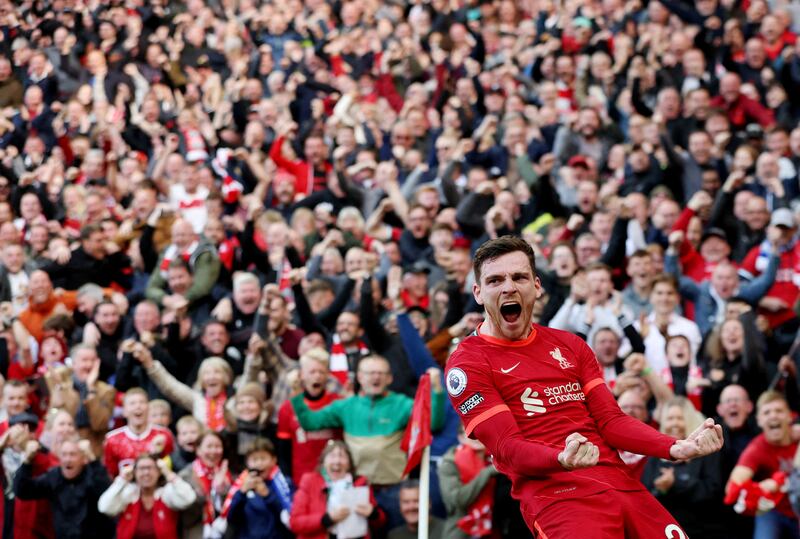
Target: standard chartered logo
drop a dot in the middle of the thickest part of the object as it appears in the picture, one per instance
(552, 396)
(531, 404)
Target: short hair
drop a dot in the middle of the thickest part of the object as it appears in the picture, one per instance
(494, 249)
(88, 230)
(92, 290)
(599, 266)
(147, 185)
(605, 329)
(243, 277)
(132, 392)
(315, 355)
(59, 322)
(179, 263)
(641, 253)
(409, 484)
(161, 404)
(187, 420)
(211, 322)
(16, 383)
(769, 396)
(319, 285)
(102, 303)
(82, 346)
(665, 278)
(259, 445)
(374, 357)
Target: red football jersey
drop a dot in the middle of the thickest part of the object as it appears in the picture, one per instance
(766, 459)
(307, 446)
(787, 280)
(122, 446)
(543, 382)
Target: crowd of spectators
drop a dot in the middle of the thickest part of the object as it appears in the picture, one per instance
(234, 235)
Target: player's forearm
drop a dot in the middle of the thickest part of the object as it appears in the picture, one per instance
(512, 453)
(624, 432)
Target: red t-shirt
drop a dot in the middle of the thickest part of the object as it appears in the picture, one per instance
(306, 446)
(122, 446)
(787, 280)
(765, 459)
(543, 381)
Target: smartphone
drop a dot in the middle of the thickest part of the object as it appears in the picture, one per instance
(260, 325)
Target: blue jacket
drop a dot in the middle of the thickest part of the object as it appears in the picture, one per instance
(255, 517)
(705, 304)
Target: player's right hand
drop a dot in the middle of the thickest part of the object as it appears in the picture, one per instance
(578, 452)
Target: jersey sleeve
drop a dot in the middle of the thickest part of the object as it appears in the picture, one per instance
(471, 389)
(618, 429)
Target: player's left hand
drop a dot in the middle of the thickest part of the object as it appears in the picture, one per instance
(706, 439)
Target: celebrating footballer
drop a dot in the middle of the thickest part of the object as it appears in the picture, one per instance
(536, 398)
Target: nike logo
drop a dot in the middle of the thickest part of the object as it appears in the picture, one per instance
(506, 371)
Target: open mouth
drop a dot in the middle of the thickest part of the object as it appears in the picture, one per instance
(511, 311)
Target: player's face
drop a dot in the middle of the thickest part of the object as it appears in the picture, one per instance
(508, 290)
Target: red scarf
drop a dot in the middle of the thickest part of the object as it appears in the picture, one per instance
(478, 520)
(171, 254)
(215, 412)
(235, 487)
(339, 366)
(409, 301)
(205, 476)
(227, 252)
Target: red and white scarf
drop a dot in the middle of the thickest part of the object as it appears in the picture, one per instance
(171, 253)
(339, 366)
(231, 189)
(478, 520)
(205, 477)
(215, 412)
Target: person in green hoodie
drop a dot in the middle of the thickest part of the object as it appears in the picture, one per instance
(373, 423)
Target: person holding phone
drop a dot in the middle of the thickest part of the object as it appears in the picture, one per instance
(259, 503)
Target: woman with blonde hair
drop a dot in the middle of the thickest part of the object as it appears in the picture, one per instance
(207, 401)
(688, 490)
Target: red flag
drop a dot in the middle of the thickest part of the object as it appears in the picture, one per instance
(418, 432)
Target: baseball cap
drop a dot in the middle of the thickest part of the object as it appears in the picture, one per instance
(25, 418)
(418, 267)
(714, 232)
(782, 217)
(578, 161)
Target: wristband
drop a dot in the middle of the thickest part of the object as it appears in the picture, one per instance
(646, 371)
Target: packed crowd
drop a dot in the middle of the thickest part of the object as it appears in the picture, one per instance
(234, 236)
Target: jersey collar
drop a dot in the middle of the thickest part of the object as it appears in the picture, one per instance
(505, 342)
